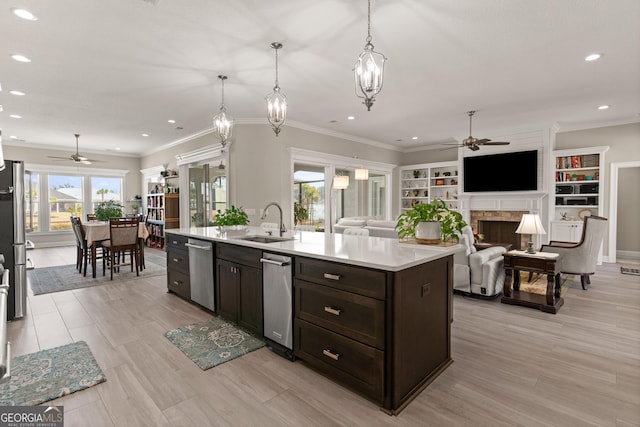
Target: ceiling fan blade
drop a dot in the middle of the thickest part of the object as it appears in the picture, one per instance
(494, 143)
(59, 157)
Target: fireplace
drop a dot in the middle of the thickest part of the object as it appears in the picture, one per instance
(499, 227)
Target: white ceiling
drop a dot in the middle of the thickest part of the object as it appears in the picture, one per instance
(112, 70)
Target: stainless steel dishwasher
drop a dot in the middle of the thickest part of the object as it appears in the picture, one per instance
(277, 297)
(201, 273)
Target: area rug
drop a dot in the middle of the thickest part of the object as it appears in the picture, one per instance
(65, 277)
(629, 270)
(213, 342)
(49, 374)
(538, 283)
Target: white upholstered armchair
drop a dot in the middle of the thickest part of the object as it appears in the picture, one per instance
(580, 258)
(478, 272)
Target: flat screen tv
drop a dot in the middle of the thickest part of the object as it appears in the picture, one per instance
(501, 172)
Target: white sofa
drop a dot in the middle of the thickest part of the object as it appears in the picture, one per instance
(377, 227)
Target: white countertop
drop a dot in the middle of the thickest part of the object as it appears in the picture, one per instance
(373, 252)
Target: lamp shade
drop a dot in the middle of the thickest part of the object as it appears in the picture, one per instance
(362, 174)
(340, 182)
(530, 224)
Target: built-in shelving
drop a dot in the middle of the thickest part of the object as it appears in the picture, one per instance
(425, 182)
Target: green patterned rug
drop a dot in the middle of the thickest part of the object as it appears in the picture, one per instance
(49, 374)
(213, 342)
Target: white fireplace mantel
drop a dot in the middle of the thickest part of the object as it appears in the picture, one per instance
(530, 201)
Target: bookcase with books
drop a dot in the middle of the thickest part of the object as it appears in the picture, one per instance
(578, 185)
(163, 212)
(424, 182)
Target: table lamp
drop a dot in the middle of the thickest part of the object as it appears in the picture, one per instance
(530, 224)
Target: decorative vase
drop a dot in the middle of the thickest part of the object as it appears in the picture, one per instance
(429, 232)
(234, 230)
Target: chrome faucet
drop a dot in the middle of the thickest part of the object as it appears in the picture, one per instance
(264, 215)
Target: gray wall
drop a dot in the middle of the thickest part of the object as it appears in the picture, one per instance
(628, 230)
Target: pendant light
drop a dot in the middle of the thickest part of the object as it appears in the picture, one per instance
(276, 101)
(222, 122)
(362, 174)
(369, 69)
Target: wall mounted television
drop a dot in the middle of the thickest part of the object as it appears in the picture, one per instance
(501, 172)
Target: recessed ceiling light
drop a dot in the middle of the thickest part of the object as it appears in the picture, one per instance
(593, 57)
(15, 116)
(603, 107)
(350, 118)
(20, 58)
(13, 137)
(171, 121)
(17, 93)
(117, 148)
(24, 14)
(414, 137)
(145, 134)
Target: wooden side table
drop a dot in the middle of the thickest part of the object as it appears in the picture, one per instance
(540, 262)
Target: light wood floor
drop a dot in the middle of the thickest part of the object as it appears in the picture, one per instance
(512, 365)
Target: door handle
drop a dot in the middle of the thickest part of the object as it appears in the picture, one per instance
(204, 248)
(270, 261)
(332, 310)
(331, 355)
(331, 276)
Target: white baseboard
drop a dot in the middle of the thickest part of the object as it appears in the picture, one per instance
(54, 244)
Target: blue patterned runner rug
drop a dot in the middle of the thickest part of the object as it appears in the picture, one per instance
(213, 342)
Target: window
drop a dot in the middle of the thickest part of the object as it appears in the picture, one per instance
(54, 193)
(308, 193)
(65, 200)
(312, 179)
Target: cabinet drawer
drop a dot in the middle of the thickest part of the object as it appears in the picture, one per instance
(179, 284)
(360, 280)
(176, 240)
(177, 260)
(349, 361)
(353, 315)
(239, 254)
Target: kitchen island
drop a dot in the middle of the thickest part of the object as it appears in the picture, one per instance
(372, 313)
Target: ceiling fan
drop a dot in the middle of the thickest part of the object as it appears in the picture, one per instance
(472, 143)
(76, 157)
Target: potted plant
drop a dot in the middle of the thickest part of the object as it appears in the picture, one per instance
(299, 213)
(430, 223)
(108, 209)
(232, 219)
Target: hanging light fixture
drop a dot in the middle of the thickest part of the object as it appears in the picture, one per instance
(362, 174)
(369, 69)
(276, 101)
(222, 122)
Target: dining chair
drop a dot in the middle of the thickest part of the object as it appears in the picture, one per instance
(123, 233)
(83, 248)
(91, 217)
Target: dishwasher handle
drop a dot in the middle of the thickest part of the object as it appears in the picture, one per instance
(204, 248)
(278, 263)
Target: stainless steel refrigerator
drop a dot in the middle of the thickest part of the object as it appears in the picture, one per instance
(13, 236)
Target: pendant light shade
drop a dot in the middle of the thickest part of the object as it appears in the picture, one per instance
(222, 122)
(369, 69)
(362, 174)
(276, 100)
(340, 182)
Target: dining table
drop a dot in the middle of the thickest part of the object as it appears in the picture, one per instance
(97, 231)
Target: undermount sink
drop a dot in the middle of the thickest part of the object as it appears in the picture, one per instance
(266, 239)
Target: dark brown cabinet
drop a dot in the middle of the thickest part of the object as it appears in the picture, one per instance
(383, 334)
(178, 266)
(239, 286)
